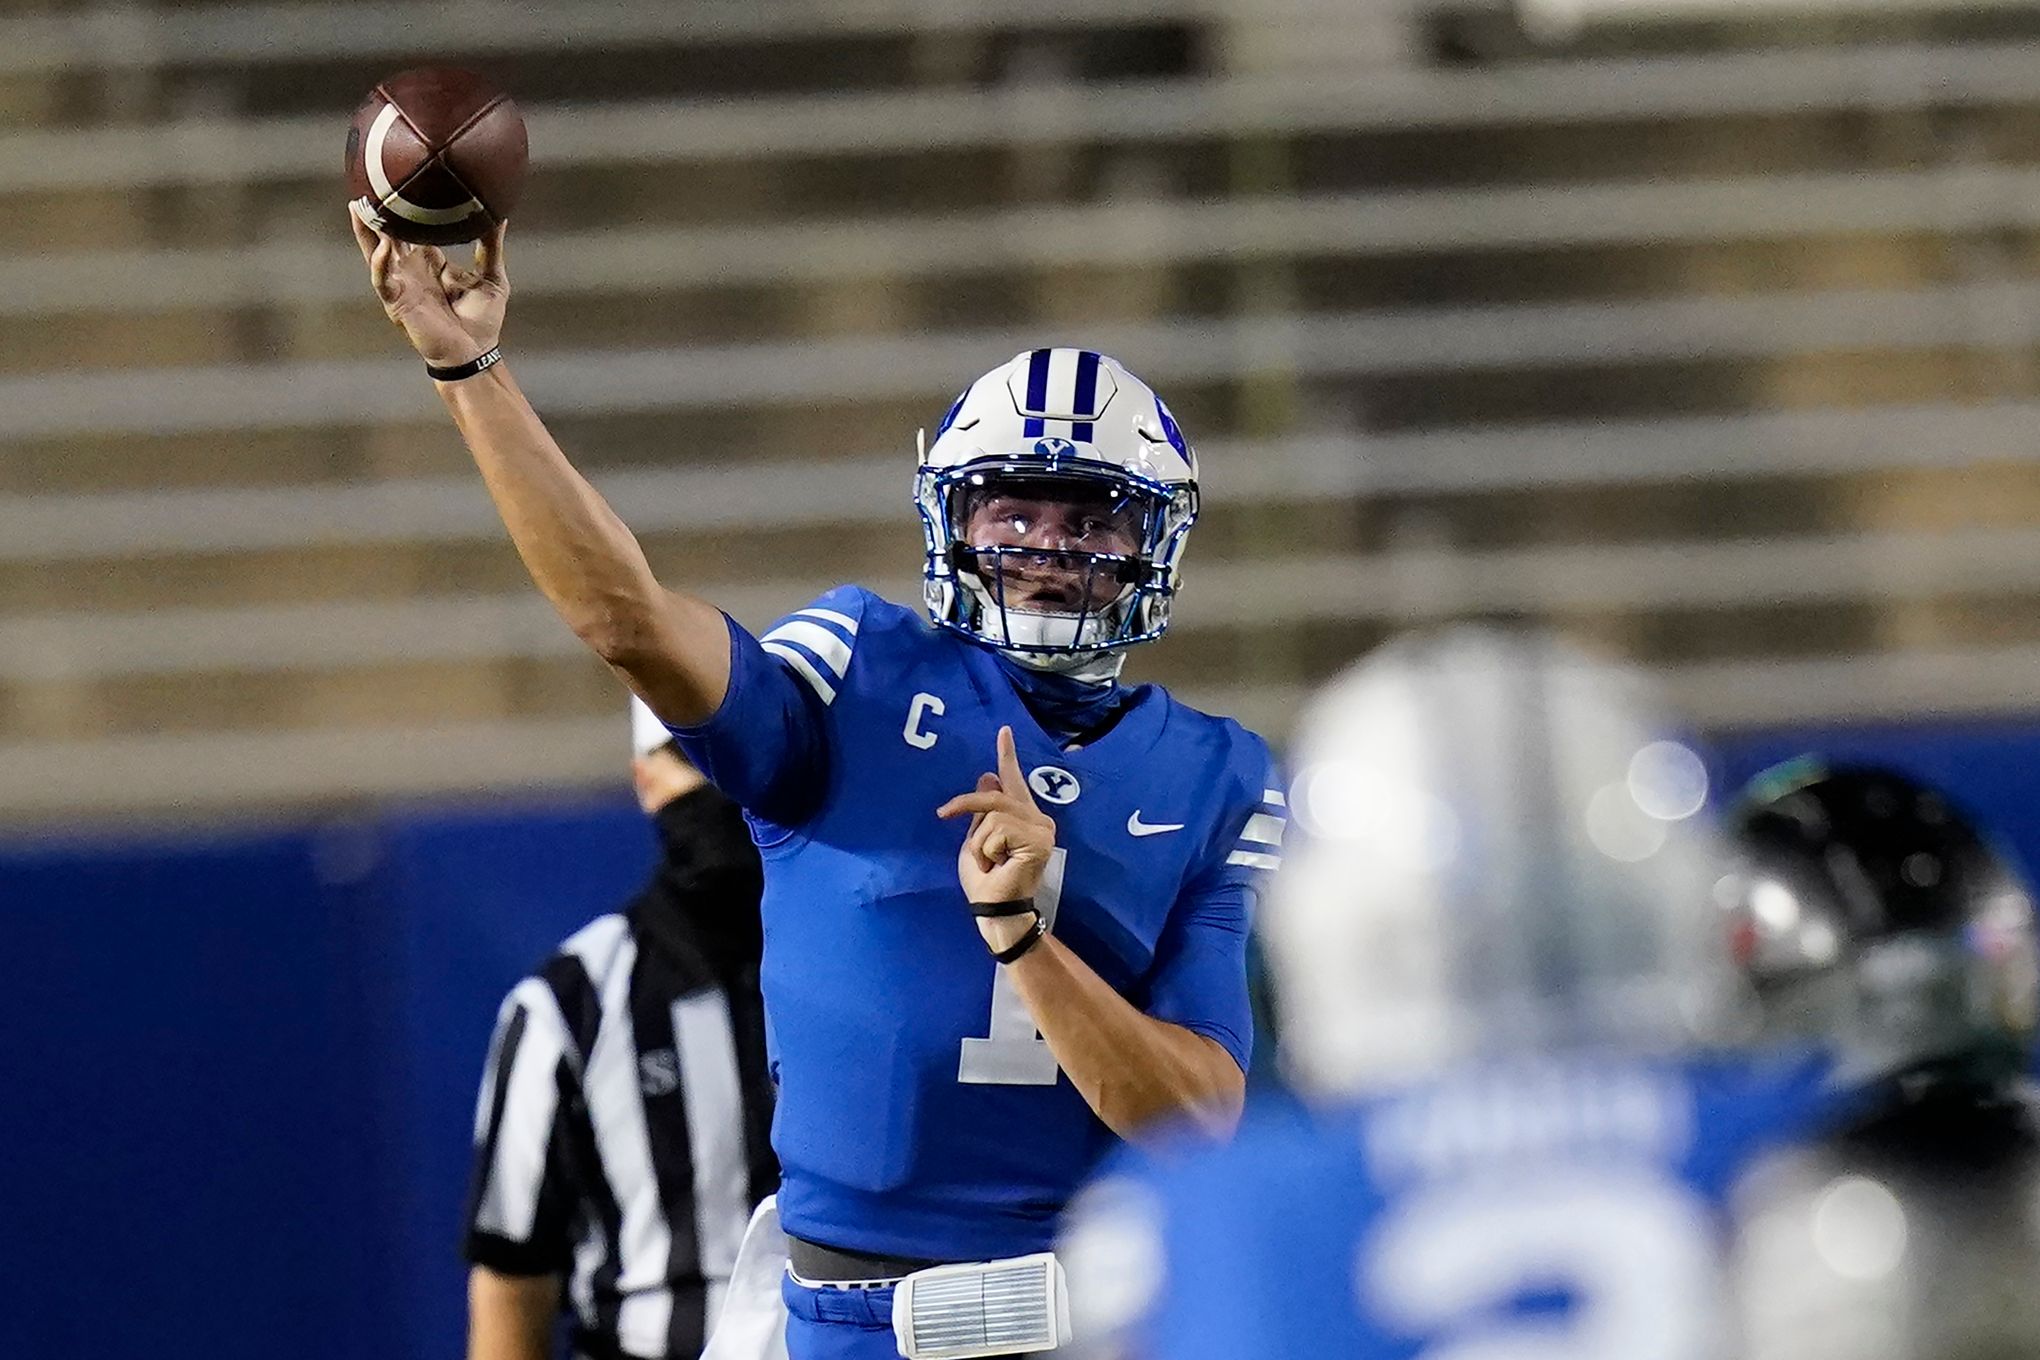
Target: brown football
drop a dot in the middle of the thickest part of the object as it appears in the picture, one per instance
(438, 153)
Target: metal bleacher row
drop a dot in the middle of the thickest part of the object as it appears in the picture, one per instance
(1721, 354)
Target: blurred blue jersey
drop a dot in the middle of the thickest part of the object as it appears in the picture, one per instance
(1563, 1208)
(919, 1113)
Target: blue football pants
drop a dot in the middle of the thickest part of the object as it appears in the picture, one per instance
(838, 1324)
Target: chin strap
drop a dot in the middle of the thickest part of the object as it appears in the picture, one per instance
(1097, 669)
(1012, 631)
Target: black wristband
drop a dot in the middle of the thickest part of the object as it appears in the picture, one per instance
(481, 362)
(1012, 908)
(1024, 943)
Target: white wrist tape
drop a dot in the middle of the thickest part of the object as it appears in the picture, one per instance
(983, 1308)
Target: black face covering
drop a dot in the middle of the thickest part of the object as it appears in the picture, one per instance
(702, 901)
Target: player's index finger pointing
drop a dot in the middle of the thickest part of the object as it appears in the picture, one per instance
(1009, 767)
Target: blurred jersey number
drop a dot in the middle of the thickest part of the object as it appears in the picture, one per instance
(1626, 1259)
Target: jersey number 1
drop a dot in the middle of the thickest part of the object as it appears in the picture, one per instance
(1014, 1053)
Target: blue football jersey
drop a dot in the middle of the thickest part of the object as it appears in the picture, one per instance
(1564, 1207)
(919, 1113)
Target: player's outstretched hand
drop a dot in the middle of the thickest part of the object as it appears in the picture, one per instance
(1010, 839)
(450, 313)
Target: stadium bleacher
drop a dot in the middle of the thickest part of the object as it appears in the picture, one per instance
(1719, 351)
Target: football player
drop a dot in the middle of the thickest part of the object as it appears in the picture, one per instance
(949, 1070)
(1874, 913)
(1504, 993)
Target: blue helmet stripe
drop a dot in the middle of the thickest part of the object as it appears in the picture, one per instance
(1086, 394)
(950, 418)
(1037, 394)
(1175, 435)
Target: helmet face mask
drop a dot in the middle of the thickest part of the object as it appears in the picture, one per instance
(1060, 552)
(1053, 565)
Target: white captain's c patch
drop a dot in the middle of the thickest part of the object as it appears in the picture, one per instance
(917, 733)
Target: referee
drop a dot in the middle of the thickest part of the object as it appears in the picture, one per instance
(622, 1135)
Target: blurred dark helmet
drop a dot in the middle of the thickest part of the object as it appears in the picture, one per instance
(1870, 913)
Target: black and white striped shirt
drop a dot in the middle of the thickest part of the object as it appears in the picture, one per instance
(622, 1136)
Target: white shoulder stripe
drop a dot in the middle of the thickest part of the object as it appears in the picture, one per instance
(806, 669)
(1263, 829)
(834, 652)
(1254, 861)
(1274, 798)
(843, 621)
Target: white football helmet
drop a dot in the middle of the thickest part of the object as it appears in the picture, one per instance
(1069, 426)
(1497, 845)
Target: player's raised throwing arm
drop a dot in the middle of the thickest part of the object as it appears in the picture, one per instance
(673, 648)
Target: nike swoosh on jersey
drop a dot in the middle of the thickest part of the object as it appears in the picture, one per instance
(1136, 827)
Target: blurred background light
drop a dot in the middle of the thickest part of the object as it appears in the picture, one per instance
(1668, 780)
(1859, 1228)
(1619, 828)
